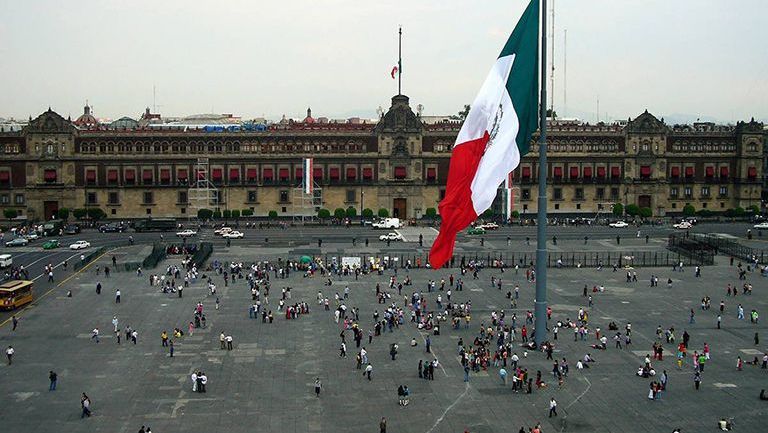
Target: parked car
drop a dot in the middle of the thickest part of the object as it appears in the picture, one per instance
(186, 233)
(18, 242)
(79, 245)
(684, 225)
(476, 231)
(391, 236)
(387, 223)
(112, 228)
(489, 226)
(618, 224)
(222, 230)
(33, 236)
(72, 229)
(762, 226)
(51, 244)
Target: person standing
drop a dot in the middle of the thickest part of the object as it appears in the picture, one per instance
(170, 348)
(53, 378)
(9, 354)
(318, 385)
(95, 334)
(552, 407)
(117, 296)
(15, 322)
(383, 425)
(85, 403)
(368, 371)
(697, 380)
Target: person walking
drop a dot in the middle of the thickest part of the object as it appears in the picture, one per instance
(552, 407)
(318, 385)
(53, 377)
(14, 322)
(85, 404)
(383, 425)
(117, 296)
(95, 334)
(697, 380)
(368, 371)
(9, 354)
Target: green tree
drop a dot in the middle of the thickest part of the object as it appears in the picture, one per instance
(62, 213)
(632, 209)
(368, 213)
(339, 213)
(739, 212)
(515, 214)
(431, 212)
(618, 209)
(488, 213)
(217, 214)
(95, 213)
(552, 114)
(646, 212)
(79, 213)
(755, 209)
(272, 214)
(247, 212)
(235, 213)
(10, 213)
(323, 213)
(204, 214)
(704, 213)
(383, 213)
(461, 115)
(227, 213)
(729, 213)
(351, 212)
(689, 210)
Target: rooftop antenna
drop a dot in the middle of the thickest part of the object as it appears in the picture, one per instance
(565, 70)
(598, 108)
(154, 99)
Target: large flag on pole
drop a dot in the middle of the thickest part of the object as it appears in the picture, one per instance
(308, 181)
(496, 132)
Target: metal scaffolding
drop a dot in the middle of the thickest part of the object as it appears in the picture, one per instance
(304, 207)
(203, 194)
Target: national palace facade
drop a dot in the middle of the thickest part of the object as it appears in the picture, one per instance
(398, 163)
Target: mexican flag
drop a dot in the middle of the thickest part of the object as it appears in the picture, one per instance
(496, 132)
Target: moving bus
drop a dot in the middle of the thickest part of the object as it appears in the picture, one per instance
(155, 225)
(52, 227)
(15, 293)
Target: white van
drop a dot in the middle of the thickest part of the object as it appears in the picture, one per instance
(5, 260)
(387, 223)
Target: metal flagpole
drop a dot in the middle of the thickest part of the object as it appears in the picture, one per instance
(541, 218)
(399, 59)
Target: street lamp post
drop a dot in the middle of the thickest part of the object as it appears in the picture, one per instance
(362, 205)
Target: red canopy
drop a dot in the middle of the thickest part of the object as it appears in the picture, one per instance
(574, 172)
(367, 173)
(181, 174)
(5, 176)
(351, 173)
(615, 172)
(217, 173)
(587, 172)
(399, 172)
(317, 173)
(267, 174)
(723, 171)
(752, 172)
(558, 172)
(645, 171)
(283, 174)
(334, 173)
(431, 173)
(49, 175)
(90, 175)
(251, 174)
(234, 174)
(299, 173)
(675, 171)
(165, 174)
(130, 174)
(526, 172)
(146, 175)
(710, 171)
(600, 171)
(689, 171)
(112, 175)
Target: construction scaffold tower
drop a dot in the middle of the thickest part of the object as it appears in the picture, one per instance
(304, 206)
(203, 194)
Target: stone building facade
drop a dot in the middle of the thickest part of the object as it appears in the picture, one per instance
(399, 163)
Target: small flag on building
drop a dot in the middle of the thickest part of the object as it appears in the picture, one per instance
(394, 71)
(495, 133)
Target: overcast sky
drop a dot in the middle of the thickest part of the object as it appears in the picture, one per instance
(694, 58)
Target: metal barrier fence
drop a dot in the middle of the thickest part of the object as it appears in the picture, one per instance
(691, 247)
(158, 254)
(85, 259)
(574, 259)
(202, 254)
(730, 247)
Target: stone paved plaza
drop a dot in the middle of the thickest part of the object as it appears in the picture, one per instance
(266, 382)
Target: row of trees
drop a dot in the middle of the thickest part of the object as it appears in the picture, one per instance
(339, 213)
(634, 210)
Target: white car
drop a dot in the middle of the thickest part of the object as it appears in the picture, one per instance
(32, 236)
(392, 236)
(488, 226)
(684, 225)
(618, 224)
(762, 225)
(186, 233)
(222, 231)
(79, 245)
(234, 234)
